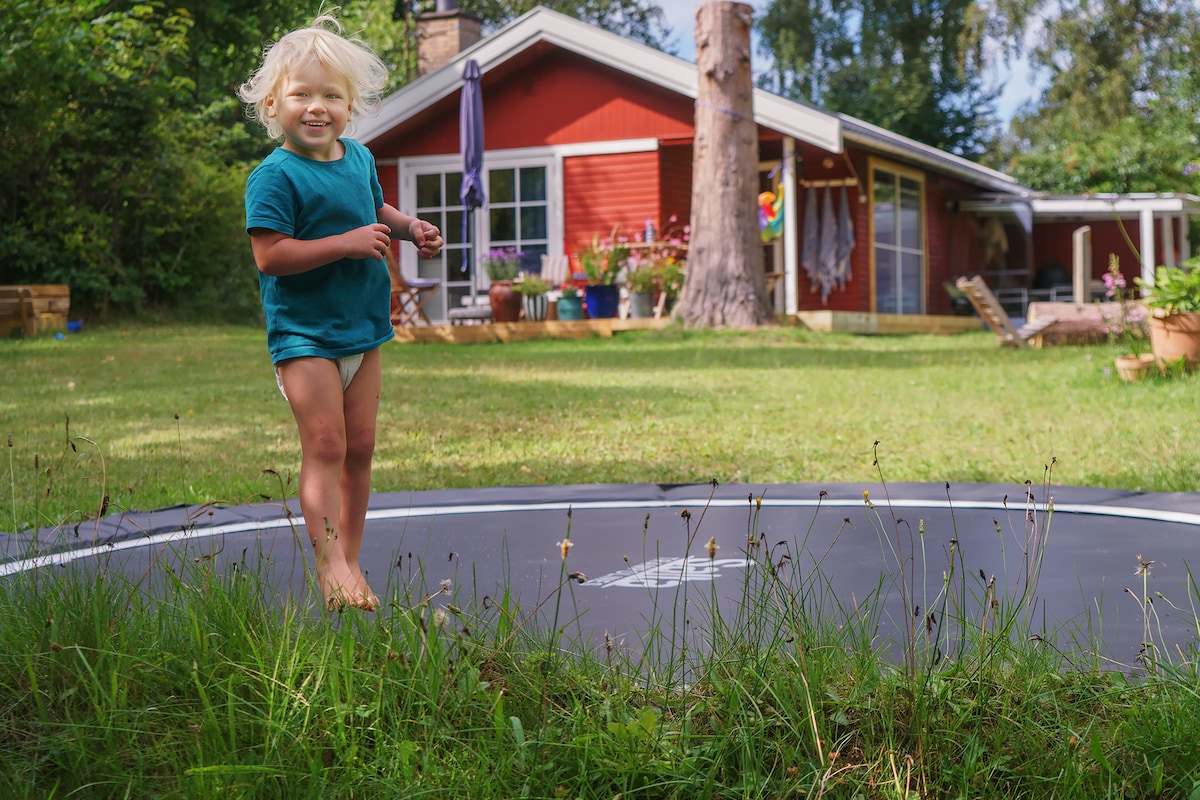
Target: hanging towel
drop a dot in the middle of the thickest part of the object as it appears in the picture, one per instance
(810, 244)
(827, 259)
(845, 241)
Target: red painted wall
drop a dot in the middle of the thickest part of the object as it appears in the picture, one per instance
(1052, 243)
(608, 190)
(558, 98)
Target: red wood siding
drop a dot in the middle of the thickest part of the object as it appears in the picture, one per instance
(558, 98)
(608, 190)
(390, 181)
(675, 185)
(1052, 243)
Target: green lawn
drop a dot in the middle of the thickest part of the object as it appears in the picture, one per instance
(215, 686)
(162, 416)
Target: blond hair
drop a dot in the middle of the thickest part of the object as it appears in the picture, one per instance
(324, 42)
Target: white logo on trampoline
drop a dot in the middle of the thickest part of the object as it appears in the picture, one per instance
(665, 573)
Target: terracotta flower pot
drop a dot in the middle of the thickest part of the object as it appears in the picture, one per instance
(1134, 367)
(506, 302)
(1175, 337)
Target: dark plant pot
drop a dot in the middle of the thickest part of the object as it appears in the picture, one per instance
(536, 307)
(506, 302)
(1175, 337)
(641, 305)
(570, 308)
(602, 300)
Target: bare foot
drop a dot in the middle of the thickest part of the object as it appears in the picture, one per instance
(343, 587)
(370, 599)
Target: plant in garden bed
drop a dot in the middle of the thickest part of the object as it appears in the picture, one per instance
(644, 278)
(602, 260)
(531, 285)
(502, 263)
(657, 264)
(1125, 327)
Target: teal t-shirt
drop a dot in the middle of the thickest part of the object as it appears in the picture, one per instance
(339, 309)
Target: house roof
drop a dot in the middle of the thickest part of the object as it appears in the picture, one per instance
(804, 122)
(542, 25)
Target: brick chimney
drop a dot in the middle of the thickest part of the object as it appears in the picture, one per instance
(443, 34)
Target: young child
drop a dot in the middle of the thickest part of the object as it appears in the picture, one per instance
(319, 229)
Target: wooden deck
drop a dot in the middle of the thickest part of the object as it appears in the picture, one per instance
(525, 331)
(866, 322)
(825, 321)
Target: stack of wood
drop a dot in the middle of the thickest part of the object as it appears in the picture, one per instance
(34, 309)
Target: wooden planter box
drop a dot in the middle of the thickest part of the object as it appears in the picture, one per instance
(34, 309)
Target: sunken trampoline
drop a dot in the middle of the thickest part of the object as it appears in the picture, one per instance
(631, 569)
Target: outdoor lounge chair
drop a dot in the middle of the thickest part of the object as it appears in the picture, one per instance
(989, 308)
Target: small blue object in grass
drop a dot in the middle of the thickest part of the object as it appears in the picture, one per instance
(58, 335)
(74, 326)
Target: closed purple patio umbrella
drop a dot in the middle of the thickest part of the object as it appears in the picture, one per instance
(470, 140)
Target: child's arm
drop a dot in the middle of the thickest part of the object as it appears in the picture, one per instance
(425, 235)
(279, 254)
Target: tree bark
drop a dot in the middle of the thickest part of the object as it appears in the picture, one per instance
(724, 284)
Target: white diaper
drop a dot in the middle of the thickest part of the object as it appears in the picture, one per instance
(347, 368)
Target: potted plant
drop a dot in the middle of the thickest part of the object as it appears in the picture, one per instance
(1174, 303)
(672, 281)
(643, 282)
(570, 304)
(534, 301)
(1124, 323)
(502, 265)
(602, 262)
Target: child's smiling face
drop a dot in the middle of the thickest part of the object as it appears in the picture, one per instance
(313, 108)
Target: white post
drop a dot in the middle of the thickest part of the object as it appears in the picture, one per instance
(1147, 236)
(1081, 263)
(1184, 244)
(791, 249)
(1165, 223)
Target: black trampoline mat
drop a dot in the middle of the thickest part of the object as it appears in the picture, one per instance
(837, 551)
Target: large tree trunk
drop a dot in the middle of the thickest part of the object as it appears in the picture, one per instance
(724, 283)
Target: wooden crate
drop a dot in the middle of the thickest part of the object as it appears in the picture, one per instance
(34, 309)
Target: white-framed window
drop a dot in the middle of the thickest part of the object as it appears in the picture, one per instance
(897, 239)
(521, 211)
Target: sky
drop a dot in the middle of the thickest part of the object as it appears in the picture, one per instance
(1018, 81)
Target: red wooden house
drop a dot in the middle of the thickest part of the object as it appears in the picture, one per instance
(585, 130)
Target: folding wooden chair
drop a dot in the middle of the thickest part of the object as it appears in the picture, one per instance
(409, 296)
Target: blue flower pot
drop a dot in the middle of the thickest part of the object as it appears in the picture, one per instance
(602, 300)
(570, 308)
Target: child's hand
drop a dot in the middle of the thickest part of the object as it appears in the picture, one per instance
(369, 241)
(426, 237)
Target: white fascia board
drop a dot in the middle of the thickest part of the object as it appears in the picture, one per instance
(874, 138)
(1108, 204)
(798, 120)
(669, 72)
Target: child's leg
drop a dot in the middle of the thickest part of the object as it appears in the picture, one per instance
(314, 391)
(361, 408)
